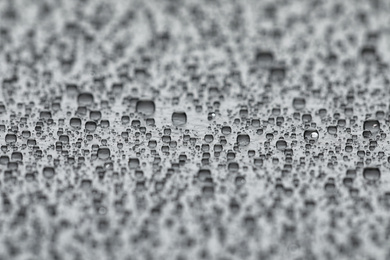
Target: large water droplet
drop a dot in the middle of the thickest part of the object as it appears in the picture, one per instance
(299, 103)
(133, 163)
(75, 122)
(371, 174)
(10, 138)
(243, 139)
(281, 145)
(103, 153)
(226, 130)
(85, 99)
(146, 107)
(371, 125)
(48, 172)
(311, 135)
(179, 118)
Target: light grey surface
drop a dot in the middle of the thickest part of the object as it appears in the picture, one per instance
(194, 130)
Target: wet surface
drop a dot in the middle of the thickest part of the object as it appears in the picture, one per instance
(194, 130)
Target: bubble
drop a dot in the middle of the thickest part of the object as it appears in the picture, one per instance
(146, 107)
(179, 118)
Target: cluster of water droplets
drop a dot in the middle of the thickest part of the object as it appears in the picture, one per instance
(185, 130)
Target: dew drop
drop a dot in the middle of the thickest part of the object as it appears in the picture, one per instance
(103, 153)
(179, 118)
(371, 174)
(371, 125)
(48, 172)
(243, 140)
(299, 103)
(311, 135)
(146, 107)
(85, 99)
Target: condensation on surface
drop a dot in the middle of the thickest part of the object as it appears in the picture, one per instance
(194, 130)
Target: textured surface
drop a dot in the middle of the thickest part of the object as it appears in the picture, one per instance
(194, 130)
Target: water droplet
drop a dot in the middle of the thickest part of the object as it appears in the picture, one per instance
(48, 172)
(179, 118)
(371, 174)
(85, 99)
(133, 163)
(208, 138)
(90, 126)
(243, 140)
(95, 115)
(75, 122)
(299, 103)
(103, 153)
(226, 130)
(10, 138)
(371, 125)
(311, 135)
(281, 145)
(146, 107)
